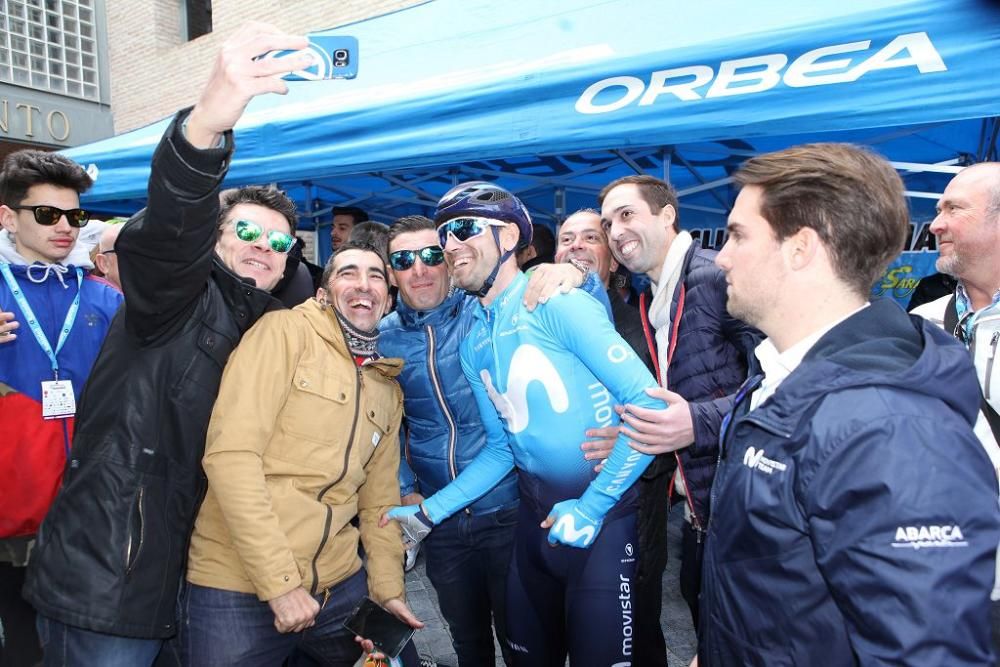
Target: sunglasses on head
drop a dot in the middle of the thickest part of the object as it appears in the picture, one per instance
(249, 231)
(465, 228)
(401, 260)
(49, 215)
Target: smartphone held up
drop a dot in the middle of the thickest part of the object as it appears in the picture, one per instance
(334, 57)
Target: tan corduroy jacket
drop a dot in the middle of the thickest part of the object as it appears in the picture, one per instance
(301, 441)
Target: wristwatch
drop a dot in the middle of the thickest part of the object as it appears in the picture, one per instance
(579, 266)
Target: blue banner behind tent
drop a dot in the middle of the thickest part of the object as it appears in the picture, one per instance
(557, 98)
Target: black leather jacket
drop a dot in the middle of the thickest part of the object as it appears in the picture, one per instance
(111, 553)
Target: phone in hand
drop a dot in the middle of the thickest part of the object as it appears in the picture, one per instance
(388, 633)
(334, 56)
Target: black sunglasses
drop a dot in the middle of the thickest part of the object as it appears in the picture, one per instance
(401, 260)
(49, 215)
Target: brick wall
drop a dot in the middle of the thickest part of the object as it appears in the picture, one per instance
(154, 71)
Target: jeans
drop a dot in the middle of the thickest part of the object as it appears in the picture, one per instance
(70, 646)
(17, 621)
(220, 628)
(467, 560)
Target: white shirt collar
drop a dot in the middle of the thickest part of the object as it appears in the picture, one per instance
(776, 366)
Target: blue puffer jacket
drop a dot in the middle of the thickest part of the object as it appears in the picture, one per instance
(444, 429)
(709, 364)
(854, 513)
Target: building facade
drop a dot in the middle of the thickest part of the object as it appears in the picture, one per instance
(54, 76)
(161, 51)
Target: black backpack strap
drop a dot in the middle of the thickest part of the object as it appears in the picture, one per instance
(951, 315)
(992, 418)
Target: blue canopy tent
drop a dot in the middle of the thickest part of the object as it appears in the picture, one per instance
(554, 99)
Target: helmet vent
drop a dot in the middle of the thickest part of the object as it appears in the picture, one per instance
(492, 196)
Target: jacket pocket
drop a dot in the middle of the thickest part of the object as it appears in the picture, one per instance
(136, 532)
(203, 369)
(315, 420)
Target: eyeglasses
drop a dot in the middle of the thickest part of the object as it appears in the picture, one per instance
(401, 260)
(249, 231)
(49, 215)
(466, 228)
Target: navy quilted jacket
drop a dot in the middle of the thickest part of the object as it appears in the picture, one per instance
(708, 366)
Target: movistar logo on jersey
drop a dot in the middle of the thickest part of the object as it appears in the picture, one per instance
(566, 527)
(625, 599)
(528, 364)
(755, 460)
(923, 537)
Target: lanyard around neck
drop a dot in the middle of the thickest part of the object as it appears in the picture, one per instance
(35, 326)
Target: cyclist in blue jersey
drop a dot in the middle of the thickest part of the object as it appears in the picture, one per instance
(468, 555)
(539, 379)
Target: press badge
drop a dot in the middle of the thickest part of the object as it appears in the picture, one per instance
(58, 401)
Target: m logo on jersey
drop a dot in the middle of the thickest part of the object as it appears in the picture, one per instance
(528, 364)
(566, 526)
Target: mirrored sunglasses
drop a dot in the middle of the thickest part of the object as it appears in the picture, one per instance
(401, 260)
(249, 231)
(465, 228)
(49, 215)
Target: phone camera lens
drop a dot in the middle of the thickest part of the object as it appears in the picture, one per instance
(341, 57)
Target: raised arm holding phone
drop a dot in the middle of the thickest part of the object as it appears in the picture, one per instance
(111, 553)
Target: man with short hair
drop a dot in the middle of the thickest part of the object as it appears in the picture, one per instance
(111, 553)
(291, 462)
(344, 219)
(537, 377)
(43, 370)
(968, 230)
(106, 258)
(701, 355)
(967, 227)
(468, 554)
(854, 516)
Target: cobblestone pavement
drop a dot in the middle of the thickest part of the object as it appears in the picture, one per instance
(435, 642)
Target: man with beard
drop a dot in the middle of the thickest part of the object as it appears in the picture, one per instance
(468, 554)
(537, 377)
(967, 227)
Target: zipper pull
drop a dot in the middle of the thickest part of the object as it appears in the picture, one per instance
(993, 345)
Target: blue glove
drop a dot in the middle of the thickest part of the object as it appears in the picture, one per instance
(573, 527)
(414, 523)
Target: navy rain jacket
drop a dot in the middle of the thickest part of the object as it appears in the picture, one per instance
(855, 516)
